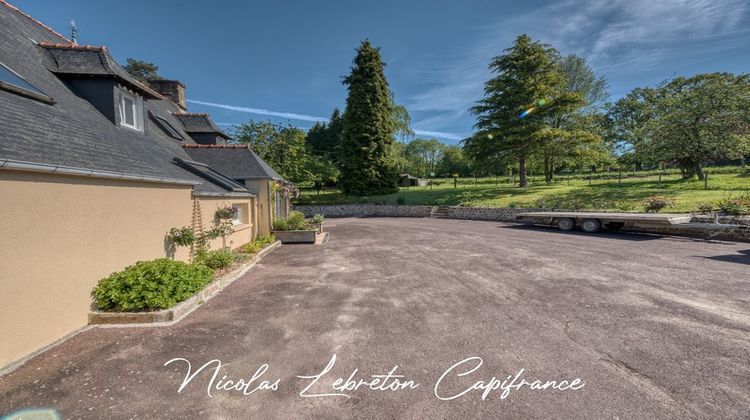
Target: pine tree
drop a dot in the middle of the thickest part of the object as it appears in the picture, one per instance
(366, 157)
(324, 138)
(513, 116)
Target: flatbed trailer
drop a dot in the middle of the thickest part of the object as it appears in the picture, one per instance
(593, 222)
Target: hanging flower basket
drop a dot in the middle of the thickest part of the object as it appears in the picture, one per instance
(226, 213)
(183, 236)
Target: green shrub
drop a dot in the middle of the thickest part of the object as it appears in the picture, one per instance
(318, 219)
(656, 203)
(258, 244)
(240, 257)
(220, 258)
(577, 204)
(600, 203)
(280, 224)
(623, 205)
(736, 206)
(295, 221)
(150, 285)
(705, 207)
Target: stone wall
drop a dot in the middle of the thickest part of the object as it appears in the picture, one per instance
(727, 220)
(701, 226)
(488, 213)
(364, 210)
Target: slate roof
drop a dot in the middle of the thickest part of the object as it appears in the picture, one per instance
(199, 123)
(237, 161)
(216, 177)
(71, 134)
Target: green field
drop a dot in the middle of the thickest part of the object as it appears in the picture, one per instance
(604, 191)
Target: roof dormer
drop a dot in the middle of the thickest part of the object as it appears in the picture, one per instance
(94, 75)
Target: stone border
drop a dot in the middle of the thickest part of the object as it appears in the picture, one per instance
(179, 311)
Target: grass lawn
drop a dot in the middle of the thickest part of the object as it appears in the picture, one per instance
(603, 192)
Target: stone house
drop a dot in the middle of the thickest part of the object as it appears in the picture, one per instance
(94, 171)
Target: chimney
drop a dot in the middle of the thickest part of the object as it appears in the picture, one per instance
(173, 90)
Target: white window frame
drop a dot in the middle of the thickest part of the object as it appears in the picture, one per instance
(237, 218)
(137, 108)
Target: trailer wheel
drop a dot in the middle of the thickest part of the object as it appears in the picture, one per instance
(566, 223)
(590, 226)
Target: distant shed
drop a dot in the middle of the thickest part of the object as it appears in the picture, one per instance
(407, 180)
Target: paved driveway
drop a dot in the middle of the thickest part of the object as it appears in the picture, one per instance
(654, 327)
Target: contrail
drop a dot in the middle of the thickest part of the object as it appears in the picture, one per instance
(259, 111)
(303, 117)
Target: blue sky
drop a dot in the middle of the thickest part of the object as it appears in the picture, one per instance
(284, 60)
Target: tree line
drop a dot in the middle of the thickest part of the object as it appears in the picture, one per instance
(551, 112)
(541, 111)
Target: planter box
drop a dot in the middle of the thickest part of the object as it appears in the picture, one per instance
(295, 236)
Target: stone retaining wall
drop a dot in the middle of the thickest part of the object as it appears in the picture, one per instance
(500, 214)
(364, 210)
(703, 224)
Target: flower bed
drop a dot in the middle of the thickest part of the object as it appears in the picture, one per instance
(163, 283)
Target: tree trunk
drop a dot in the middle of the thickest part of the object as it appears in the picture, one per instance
(699, 171)
(547, 170)
(522, 172)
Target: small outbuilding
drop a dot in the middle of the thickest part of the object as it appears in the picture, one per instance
(406, 180)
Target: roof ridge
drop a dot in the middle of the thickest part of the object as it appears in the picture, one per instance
(190, 114)
(61, 46)
(28, 16)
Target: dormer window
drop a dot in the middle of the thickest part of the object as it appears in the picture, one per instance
(131, 110)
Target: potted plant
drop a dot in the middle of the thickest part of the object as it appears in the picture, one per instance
(319, 219)
(183, 236)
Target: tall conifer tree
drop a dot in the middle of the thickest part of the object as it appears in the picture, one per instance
(366, 156)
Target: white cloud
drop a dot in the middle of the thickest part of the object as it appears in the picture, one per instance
(439, 134)
(614, 35)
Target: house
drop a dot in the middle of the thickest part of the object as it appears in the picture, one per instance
(240, 163)
(94, 171)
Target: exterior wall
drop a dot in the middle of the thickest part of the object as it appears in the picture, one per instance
(243, 232)
(61, 234)
(262, 189)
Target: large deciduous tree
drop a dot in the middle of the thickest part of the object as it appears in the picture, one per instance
(513, 117)
(142, 70)
(573, 138)
(366, 151)
(282, 147)
(688, 121)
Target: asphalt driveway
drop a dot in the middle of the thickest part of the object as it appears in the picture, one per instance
(655, 327)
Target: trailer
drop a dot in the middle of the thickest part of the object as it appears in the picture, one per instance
(593, 222)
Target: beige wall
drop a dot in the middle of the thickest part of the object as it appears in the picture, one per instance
(60, 235)
(262, 190)
(243, 232)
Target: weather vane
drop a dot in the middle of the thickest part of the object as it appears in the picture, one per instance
(73, 32)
